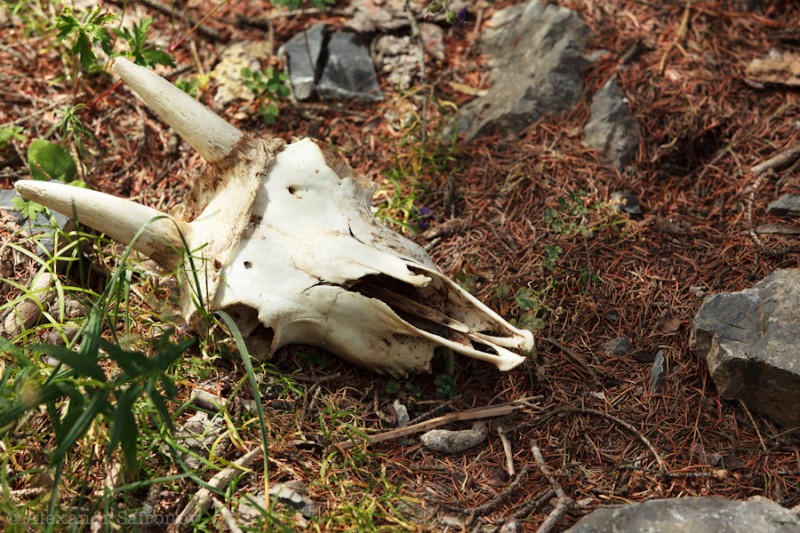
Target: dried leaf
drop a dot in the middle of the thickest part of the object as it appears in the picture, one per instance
(669, 324)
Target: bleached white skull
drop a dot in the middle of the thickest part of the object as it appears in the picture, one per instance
(281, 236)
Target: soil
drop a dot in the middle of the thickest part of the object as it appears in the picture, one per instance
(608, 435)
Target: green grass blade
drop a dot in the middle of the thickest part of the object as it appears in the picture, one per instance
(81, 364)
(251, 376)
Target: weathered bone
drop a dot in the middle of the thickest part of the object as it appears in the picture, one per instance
(282, 238)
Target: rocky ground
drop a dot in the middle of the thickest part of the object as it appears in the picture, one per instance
(527, 218)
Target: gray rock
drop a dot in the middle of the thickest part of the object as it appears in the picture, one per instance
(45, 226)
(612, 129)
(447, 441)
(348, 73)
(627, 202)
(536, 57)
(691, 515)
(751, 344)
(401, 412)
(369, 16)
(657, 371)
(291, 494)
(787, 205)
(302, 54)
(618, 346)
(396, 57)
(200, 434)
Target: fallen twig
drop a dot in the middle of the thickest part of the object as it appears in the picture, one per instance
(783, 159)
(25, 314)
(202, 498)
(226, 515)
(470, 414)
(507, 451)
(532, 504)
(564, 502)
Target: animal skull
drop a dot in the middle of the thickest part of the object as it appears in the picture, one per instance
(281, 236)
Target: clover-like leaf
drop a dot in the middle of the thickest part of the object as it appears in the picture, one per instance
(48, 160)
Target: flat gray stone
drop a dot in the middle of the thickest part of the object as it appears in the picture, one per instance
(302, 54)
(447, 441)
(382, 16)
(751, 342)
(691, 515)
(617, 346)
(612, 129)
(348, 72)
(787, 205)
(45, 225)
(535, 52)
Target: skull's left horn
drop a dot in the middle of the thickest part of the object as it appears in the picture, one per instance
(204, 130)
(118, 218)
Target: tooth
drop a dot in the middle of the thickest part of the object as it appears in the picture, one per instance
(204, 130)
(118, 218)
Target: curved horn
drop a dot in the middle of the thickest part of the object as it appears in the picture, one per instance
(118, 218)
(204, 130)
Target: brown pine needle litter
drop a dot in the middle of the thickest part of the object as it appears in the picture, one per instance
(715, 151)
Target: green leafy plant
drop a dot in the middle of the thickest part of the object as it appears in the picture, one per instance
(419, 158)
(98, 380)
(142, 54)
(28, 209)
(530, 306)
(569, 217)
(8, 134)
(82, 32)
(194, 85)
(71, 128)
(48, 160)
(552, 253)
(268, 87)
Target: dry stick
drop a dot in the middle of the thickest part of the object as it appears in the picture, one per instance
(470, 414)
(202, 498)
(507, 451)
(532, 504)
(25, 314)
(29, 493)
(227, 515)
(435, 411)
(775, 229)
(761, 172)
(662, 465)
(564, 502)
(783, 159)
